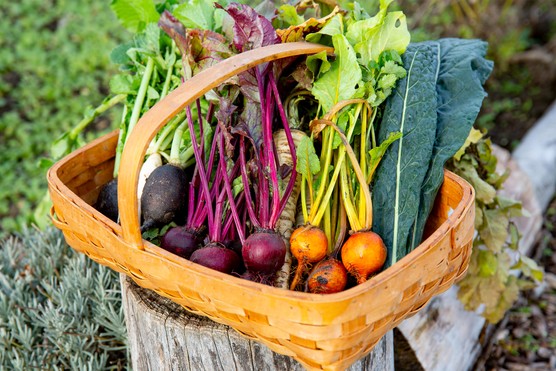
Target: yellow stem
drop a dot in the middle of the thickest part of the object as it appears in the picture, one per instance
(304, 200)
(348, 205)
(327, 227)
(358, 173)
(324, 173)
(363, 163)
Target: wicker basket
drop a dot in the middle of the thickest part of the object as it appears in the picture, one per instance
(320, 331)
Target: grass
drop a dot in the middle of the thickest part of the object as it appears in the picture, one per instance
(54, 62)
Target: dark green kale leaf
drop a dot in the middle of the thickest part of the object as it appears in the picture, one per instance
(410, 110)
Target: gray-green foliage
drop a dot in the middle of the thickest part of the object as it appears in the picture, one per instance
(58, 309)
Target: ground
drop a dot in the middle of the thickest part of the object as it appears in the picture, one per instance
(526, 339)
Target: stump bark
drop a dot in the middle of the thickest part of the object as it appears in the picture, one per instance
(164, 336)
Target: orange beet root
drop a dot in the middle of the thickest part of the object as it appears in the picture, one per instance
(309, 245)
(363, 254)
(328, 276)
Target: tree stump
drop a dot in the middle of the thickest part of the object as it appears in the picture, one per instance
(164, 336)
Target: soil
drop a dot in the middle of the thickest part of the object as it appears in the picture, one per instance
(536, 70)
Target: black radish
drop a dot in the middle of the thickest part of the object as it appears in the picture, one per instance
(107, 202)
(164, 197)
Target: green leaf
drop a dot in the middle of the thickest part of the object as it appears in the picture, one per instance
(287, 16)
(378, 152)
(515, 236)
(152, 94)
(398, 179)
(393, 68)
(462, 71)
(384, 31)
(45, 163)
(494, 230)
(237, 186)
(387, 81)
(342, 125)
(122, 84)
(196, 14)
(61, 146)
(478, 215)
(308, 163)
(135, 14)
(318, 64)
(340, 81)
(119, 54)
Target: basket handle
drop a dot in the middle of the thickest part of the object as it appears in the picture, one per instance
(154, 119)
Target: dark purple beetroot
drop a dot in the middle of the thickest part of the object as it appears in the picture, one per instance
(164, 197)
(107, 202)
(181, 241)
(216, 257)
(264, 252)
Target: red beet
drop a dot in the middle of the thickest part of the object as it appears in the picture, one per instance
(181, 241)
(264, 252)
(216, 257)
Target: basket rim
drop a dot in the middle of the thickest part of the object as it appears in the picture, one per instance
(466, 202)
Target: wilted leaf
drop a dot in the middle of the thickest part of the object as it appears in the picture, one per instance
(506, 299)
(529, 268)
(512, 207)
(473, 137)
(494, 230)
(483, 190)
(298, 33)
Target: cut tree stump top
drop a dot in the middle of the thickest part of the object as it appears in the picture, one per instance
(164, 336)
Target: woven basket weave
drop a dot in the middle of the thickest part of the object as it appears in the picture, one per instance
(320, 331)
